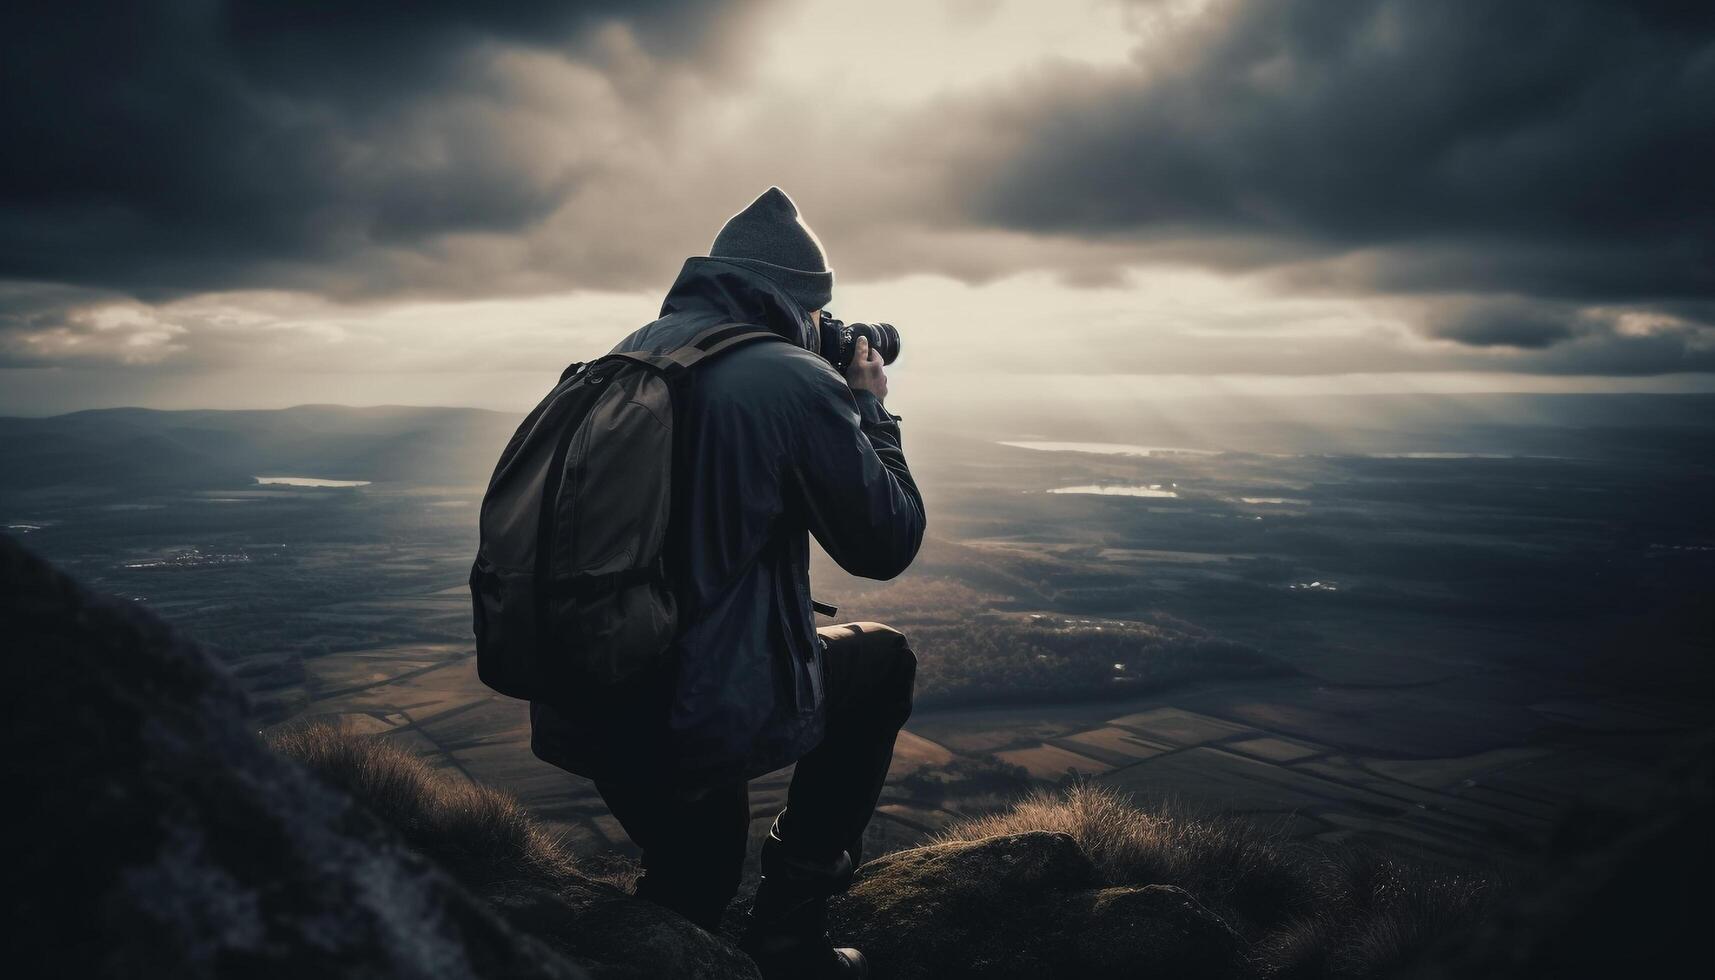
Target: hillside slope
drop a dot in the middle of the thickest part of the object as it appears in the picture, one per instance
(144, 449)
(163, 838)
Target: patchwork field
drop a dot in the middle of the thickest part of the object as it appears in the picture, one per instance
(1481, 782)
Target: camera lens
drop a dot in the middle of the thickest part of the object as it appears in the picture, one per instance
(838, 342)
(883, 339)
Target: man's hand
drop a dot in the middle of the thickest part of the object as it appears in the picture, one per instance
(865, 372)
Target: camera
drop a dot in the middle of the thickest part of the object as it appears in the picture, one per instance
(839, 341)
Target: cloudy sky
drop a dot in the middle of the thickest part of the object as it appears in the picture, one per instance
(243, 204)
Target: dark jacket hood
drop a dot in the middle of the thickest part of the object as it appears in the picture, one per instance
(709, 285)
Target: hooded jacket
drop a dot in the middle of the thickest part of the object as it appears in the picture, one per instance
(772, 446)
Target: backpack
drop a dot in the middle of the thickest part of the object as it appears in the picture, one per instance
(570, 591)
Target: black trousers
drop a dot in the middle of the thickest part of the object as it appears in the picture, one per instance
(693, 850)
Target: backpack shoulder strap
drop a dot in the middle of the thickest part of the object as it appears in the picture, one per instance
(708, 343)
(718, 340)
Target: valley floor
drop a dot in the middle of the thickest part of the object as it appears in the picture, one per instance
(1444, 769)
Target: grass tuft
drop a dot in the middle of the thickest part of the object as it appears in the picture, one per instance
(1307, 910)
(483, 836)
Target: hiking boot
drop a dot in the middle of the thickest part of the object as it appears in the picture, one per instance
(788, 931)
(799, 957)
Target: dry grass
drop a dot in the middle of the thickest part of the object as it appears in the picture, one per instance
(483, 836)
(1308, 911)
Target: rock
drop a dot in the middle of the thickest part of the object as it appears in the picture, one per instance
(1025, 906)
(1156, 930)
(618, 937)
(155, 835)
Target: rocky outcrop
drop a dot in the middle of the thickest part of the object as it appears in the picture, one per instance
(1026, 906)
(156, 835)
(618, 937)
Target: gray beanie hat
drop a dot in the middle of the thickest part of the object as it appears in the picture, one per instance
(769, 238)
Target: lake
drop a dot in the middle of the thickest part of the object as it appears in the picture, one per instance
(308, 481)
(1118, 490)
(1109, 448)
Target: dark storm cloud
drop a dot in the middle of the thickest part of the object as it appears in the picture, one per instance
(29, 310)
(49, 325)
(1557, 148)
(185, 145)
(1554, 337)
(1504, 323)
(1522, 183)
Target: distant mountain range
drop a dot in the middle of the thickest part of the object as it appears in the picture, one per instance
(135, 448)
(130, 449)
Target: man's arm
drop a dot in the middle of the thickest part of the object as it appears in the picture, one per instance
(858, 496)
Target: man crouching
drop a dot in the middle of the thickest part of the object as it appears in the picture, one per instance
(774, 445)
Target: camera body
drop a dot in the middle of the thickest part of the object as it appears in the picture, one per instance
(839, 341)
